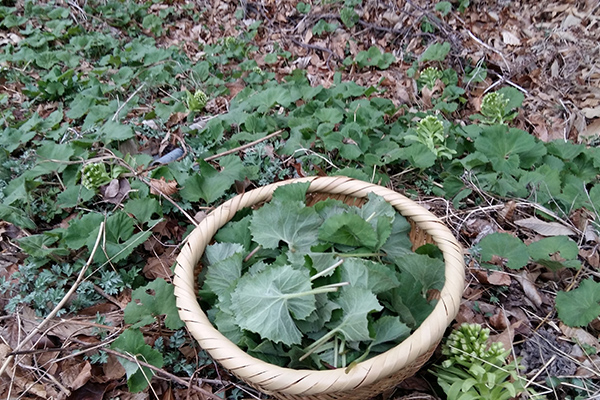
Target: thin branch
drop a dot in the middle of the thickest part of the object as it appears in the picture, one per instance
(164, 373)
(169, 199)
(116, 116)
(60, 305)
(247, 145)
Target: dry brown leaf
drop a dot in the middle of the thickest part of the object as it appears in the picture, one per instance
(510, 38)
(545, 228)
(580, 335)
(159, 267)
(499, 321)
(116, 191)
(507, 336)
(76, 375)
(496, 278)
(112, 369)
(529, 288)
(161, 186)
(592, 130)
(176, 119)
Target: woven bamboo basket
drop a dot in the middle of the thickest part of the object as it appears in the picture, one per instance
(368, 378)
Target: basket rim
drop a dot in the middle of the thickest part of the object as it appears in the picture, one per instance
(272, 378)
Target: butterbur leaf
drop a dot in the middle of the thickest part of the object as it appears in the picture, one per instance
(290, 222)
(151, 301)
(356, 304)
(426, 270)
(389, 328)
(367, 274)
(220, 251)
(407, 301)
(509, 248)
(544, 252)
(398, 243)
(222, 275)
(208, 185)
(580, 306)
(236, 232)
(348, 229)
(291, 192)
(131, 342)
(16, 216)
(380, 214)
(264, 303)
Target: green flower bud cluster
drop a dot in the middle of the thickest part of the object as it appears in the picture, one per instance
(196, 101)
(429, 76)
(468, 344)
(475, 370)
(94, 175)
(430, 132)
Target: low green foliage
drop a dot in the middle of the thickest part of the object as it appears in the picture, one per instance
(131, 343)
(320, 280)
(580, 306)
(475, 369)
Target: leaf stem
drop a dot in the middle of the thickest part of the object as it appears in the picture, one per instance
(323, 289)
(349, 255)
(326, 270)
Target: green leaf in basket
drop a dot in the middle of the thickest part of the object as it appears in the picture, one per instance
(291, 222)
(350, 230)
(367, 274)
(265, 302)
(380, 214)
(356, 304)
(429, 272)
(389, 328)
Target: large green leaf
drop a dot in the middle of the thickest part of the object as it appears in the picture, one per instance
(264, 303)
(348, 229)
(223, 273)
(367, 274)
(150, 302)
(119, 240)
(356, 304)
(290, 222)
(380, 214)
(426, 270)
(510, 249)
(389, 328)
(131, 342)
(210, 184)
(544, 252)
(580, 306)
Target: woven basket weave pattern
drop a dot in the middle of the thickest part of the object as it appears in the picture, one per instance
(369, 377)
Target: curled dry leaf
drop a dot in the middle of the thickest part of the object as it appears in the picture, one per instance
(545, 228)
(161, 186)
(496, 278)
(499, 321)
(76, 375)
(529, 288)
(116, 191)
